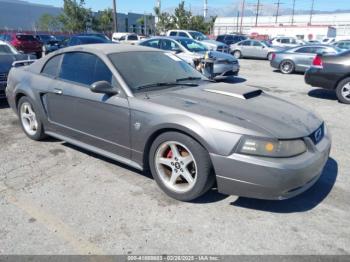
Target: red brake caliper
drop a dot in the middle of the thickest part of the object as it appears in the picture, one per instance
(169, 154)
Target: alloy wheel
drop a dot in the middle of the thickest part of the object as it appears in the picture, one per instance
(28, 118)
(176, 166)
(345, 91)
(286, 67)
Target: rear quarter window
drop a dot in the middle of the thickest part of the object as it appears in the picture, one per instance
(51, 68)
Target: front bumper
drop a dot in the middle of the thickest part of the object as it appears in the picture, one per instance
(275, 64)
(314, 77)
(225, 70)
(3, 83)
(267, 178)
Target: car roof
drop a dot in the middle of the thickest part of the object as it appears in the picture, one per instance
(107, 48)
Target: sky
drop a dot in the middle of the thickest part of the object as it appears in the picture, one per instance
(141, 6)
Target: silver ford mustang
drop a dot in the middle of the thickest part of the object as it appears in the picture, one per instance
(153, 111)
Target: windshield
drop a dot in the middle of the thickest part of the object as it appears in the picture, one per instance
(6, 49)
(25, 37)
(266, 43)
(198, 36)
(47, 38)
(192, 46)
(147, 68)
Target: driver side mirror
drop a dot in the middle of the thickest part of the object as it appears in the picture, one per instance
(103, 87)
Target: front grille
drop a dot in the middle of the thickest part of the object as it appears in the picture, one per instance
(318, 135)
(3, 77)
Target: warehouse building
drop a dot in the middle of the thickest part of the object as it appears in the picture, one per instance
(339, 21)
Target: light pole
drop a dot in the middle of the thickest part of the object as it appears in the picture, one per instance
(115, 25)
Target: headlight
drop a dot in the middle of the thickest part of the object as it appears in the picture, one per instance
(270, 147)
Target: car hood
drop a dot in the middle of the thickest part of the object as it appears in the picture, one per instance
(217, 55)
(7, 60)
(240, 109)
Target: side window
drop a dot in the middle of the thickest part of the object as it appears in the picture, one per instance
(151, 43)
(169, 45)
(256, 43)
(122, 38)
(229, 38)
(183, 34)
(304, 50)
(51, 67)
(173, 33)
(220, 38)
(102, 72)
(246, 43)
(84, 68)
(285, 41)
(133, 37)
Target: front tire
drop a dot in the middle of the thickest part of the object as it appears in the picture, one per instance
(181, 166)
(287, 67)
(30, 121)
(237, 54)
(343, 91)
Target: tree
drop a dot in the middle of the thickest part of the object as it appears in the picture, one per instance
(75, 17)
(165, 21)
(103, 21)
(181, 17)
(49, 23)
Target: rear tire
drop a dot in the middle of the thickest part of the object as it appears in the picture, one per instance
(30, 120)
(287, 67)
(343, 91)
(181, 166)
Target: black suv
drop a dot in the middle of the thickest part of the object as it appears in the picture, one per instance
(230, 39)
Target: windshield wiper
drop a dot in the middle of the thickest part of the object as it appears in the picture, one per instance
(163, 84)
(191, 78)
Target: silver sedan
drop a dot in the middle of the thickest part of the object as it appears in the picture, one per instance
(299, 59)
(253, 49)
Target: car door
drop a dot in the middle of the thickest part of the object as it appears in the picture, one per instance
(304, 56)
(259, 50)
(74, 111)
(246, 48)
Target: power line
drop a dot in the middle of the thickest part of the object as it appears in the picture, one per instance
(278, 4)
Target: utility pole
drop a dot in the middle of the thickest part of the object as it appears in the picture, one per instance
(293, 12)
(242, 15)
(311, 11)
(278, 4)
(205, 8)
(115, 24)
(258, 8)
(237, 30)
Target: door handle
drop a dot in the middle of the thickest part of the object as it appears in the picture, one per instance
(58, 91)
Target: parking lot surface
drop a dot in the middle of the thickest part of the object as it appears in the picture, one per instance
(58, 199)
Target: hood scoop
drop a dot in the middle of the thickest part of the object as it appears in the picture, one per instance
(241, 92)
